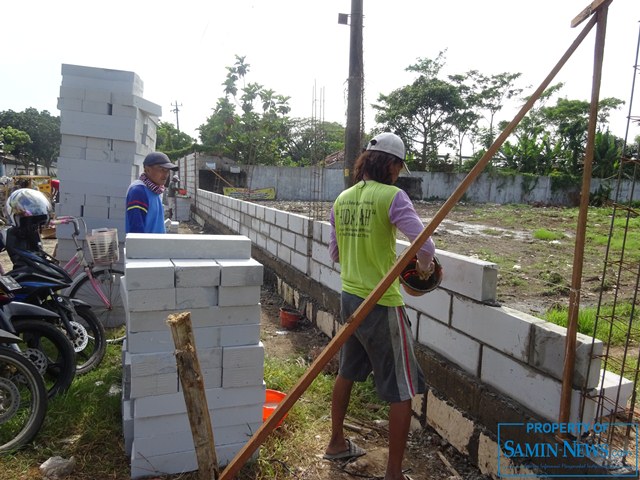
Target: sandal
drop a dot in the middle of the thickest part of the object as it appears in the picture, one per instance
(353, 451)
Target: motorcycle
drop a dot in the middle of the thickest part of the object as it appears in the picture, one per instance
(43, 344)
(23, 396)
(40, 280)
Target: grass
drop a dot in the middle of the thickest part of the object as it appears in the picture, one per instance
(612, 325)
(547, 235)
(86, 423)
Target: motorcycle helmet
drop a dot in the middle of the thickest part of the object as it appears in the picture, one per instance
(27, 207)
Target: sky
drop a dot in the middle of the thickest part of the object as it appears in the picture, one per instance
(297, 48)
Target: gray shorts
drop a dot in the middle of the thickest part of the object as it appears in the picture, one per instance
(382, 344)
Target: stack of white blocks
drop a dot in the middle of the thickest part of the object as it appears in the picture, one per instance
(107, 129)
(215, 279)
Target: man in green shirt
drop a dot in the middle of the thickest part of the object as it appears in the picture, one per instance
(365, 219)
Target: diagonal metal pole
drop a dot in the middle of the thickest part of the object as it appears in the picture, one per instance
(367, 305)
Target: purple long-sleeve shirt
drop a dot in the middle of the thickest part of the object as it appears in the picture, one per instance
(403, 215)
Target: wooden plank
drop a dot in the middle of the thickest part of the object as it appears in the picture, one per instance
(588, 11)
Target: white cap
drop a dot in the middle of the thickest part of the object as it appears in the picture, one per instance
(389, 143)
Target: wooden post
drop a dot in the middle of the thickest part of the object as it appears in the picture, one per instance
(365, 307)
(578, 256)
(194, 396)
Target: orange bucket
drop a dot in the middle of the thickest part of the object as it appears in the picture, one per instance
(271, 402)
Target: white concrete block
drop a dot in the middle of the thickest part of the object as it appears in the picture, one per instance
(196, 297)
(549, 351)
(217, 398)
(136, 100)
(100, 126)
(242, 376)
(157, 299)
(97, 107)
(468, 276)
(241, 272)
(235, 335)
(461, 349)
(436, 304)
(181, 246)
(162, 341)
(611, 396)
(153, 385)
(151, 363)
(503, 328)
(201, 272)
(538, 392)
(200, 317)
(179, 462)
(236, 296)
(243, 356)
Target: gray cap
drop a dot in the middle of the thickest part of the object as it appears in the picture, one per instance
(389, 143)
(160, 159)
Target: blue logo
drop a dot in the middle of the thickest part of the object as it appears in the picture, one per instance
(587, 447)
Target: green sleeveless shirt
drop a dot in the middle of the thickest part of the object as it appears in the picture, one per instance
(366, 239)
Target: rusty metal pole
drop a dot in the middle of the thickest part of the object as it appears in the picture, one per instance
(367, 305)
(578, 256)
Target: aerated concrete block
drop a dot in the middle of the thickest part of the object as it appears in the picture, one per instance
(450, 343)
(548, 353)
(242, 376)
(237, 296)
(201, 272)
(502, 328)
(163, 405)
(196, 297)
(244, 356)
(242, 272)
(191, 246)
(144, 300)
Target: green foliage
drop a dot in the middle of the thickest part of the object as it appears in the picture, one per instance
(12, 139)
(249, 124)
(173, 142)
(561, 181)
(44, 132)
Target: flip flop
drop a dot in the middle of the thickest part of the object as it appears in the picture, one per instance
(353, 451)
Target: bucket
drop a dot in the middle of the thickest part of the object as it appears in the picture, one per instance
(289, 317)
(271, 402)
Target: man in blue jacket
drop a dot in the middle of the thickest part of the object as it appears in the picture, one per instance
(145, 211)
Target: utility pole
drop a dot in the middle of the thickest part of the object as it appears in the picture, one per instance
(176, 110)
(353, 132)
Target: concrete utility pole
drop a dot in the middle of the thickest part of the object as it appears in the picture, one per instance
(353, 133)
(176, 110)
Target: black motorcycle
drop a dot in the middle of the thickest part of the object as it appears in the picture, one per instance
(48, 348)
(23, 396)
(40, 281)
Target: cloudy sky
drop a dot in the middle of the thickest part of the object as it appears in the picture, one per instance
(297, 48)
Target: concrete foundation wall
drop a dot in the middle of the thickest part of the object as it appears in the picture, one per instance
(485, 364)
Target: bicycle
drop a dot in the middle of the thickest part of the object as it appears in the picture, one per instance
(96, 282)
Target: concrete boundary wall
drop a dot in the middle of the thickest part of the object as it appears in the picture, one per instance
(325, 184)
(485, 364)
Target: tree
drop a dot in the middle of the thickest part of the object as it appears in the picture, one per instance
(172, 141)
(423, 113)
(44, 131)
(310, 141)
(249, 123)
